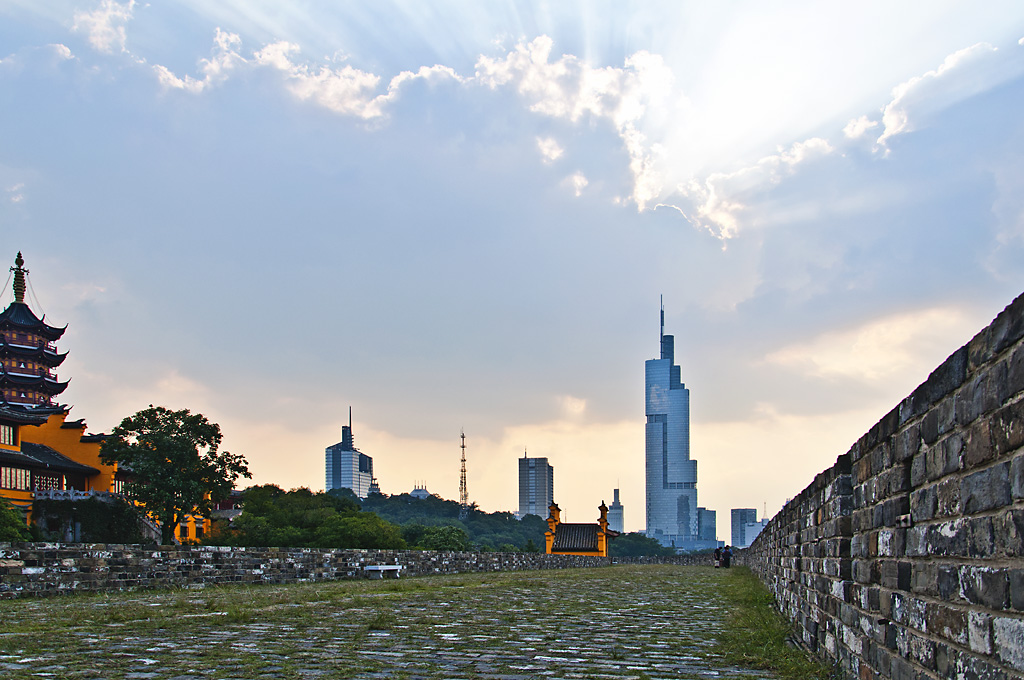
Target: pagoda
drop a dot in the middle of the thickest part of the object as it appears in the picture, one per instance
(28, 353)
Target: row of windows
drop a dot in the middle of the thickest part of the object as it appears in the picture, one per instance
(21, 479)
(7, 435)
(15, 478)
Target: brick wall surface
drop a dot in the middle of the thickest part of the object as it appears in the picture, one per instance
(905, 559)
(33, 569)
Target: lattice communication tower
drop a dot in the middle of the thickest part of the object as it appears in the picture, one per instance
(463, 491)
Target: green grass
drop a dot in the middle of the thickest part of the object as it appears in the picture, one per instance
(756, 633)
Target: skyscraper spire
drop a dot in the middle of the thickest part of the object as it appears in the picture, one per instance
(19, 278)
(661, 336)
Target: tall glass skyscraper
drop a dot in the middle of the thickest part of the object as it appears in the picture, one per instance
(347, 467)
(536, 486)
(673, 517)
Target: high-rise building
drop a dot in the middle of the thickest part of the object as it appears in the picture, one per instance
(615, 516)
(673, 517)
(347, 467)
(741, 517)
(536, 486)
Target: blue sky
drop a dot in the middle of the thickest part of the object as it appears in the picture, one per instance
(461, 215)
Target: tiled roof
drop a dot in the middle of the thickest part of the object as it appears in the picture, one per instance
(40, 456)
(575, 538)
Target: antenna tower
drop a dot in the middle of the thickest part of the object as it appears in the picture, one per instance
(463, 491)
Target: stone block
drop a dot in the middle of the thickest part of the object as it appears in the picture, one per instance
(949, 537)
(924, 579)
(924, 502)
(947, 622)
(986, 586)
(1008, 428)
(979, 448)
(979, 632)
(947, 497)
(1017, 477)
(1016, 577)
(982, 538)
(1008, 327)
(1015, 372)
(930, 426)
(1008, 638)
(985, 489)
(919, 468)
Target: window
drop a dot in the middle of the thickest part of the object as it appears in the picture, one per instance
(14, 478)
(7, 433)
(117, 486)
(183, 531)
(199, 530)
(47, 483)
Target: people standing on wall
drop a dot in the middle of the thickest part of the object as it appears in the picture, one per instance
(726, 557)
(718, 557)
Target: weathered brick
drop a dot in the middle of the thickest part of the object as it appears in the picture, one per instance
(1009, 532)
(986, 489)
(986, 586)
(923, 503)
(982, 537)
(1008, 636)
(979, 448)
(979, 632)
(949, 538)
(1008, 428)
(1017, 477)
(906, 443)
(1015, 372)
(947, 622)
(1016, 577)
(1008, 327)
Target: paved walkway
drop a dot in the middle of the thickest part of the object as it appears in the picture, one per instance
(620, 622)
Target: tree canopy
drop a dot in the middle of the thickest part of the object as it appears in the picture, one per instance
(302, 519)
(637, 544)
(12, 523)
(486, 531)
(175, 464)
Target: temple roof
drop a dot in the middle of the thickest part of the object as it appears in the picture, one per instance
(41, 354)
(40, 456)
(575, 538)
(18, 316)
(36, 382)
(22, 414)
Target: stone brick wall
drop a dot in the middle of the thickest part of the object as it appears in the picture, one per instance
(28, 569)
(904, 559)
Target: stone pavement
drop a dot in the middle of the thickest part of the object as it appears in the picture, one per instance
(617, 622)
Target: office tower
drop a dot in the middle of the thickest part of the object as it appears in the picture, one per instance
(347, 468)
(615, 517)
(673, 517)
(740, 518)
(536, 486)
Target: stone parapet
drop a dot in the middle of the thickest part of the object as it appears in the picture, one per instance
(33, 569)
(905, 559)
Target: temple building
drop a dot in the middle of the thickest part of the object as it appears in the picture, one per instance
(42, 453)
(564, 538)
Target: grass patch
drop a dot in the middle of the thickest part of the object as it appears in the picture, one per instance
(382, 620)
(755, 634)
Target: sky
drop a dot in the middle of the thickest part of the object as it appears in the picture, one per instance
(462, 216)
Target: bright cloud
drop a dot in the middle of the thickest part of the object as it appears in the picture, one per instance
(570, 89)
(857, 127)
(214, 70)
(105, 26)
(16, 193)
(880, 350)
(718, 198)
(550, 151)
(578, 182)
(928, 90)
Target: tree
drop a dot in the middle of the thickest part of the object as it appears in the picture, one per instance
(175, 464)
(12, 523)
(637, 544)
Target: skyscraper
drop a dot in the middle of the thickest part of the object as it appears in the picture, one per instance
(615, 514)
(536, 486)
(673, 517)
(347, 468)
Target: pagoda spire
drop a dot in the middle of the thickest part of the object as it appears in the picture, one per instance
(19, 278)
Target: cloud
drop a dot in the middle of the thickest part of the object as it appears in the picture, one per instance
(578, 182)
(346, 90)
(550, 150)
(957, 77)
(16, 193)
(569, 88)
(214, 70)
(857, 127)
(896, 346)
(104, 26)
(718, 198)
